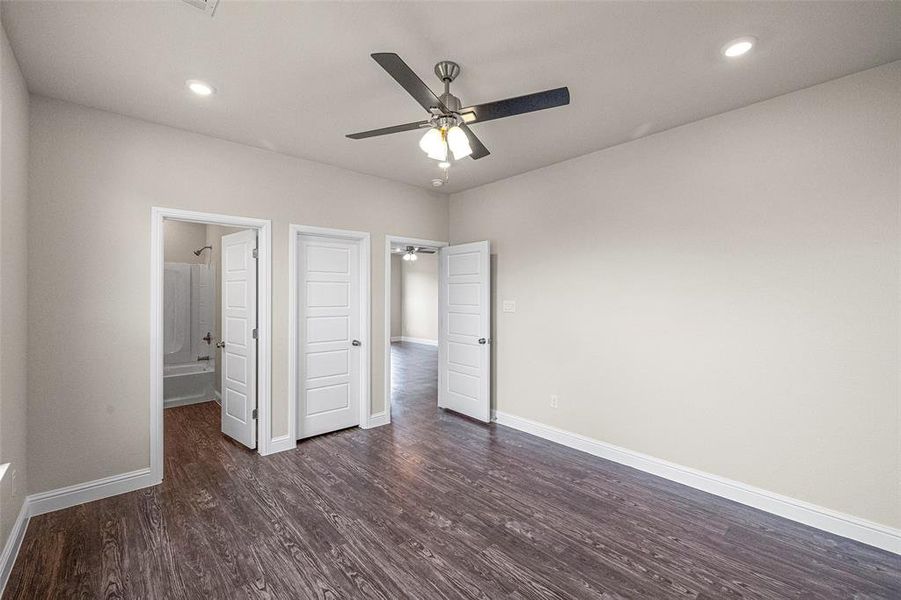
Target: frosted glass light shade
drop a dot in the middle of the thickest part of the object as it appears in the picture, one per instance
(458, 142)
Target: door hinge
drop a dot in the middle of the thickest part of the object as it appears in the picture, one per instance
(254, 333)
(256, 253)
(254, 415)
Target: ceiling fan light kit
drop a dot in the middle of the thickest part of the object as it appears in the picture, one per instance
(448, 122)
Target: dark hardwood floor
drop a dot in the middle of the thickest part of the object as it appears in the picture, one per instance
(433, 506)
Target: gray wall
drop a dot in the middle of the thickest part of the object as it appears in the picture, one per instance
(724, 295)
(397, 302)
(13, 284)
(180, 239)
(96, 171)
(419, 293)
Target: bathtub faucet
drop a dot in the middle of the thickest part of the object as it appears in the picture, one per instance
(203, 358)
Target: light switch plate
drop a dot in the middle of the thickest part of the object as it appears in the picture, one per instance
(510, 306)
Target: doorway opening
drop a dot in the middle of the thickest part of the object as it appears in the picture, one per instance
(210, 329)
(412, 286)
(463, 353)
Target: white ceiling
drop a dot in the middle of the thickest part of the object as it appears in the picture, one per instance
(295, 77)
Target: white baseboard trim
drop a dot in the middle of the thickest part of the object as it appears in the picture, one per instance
(861, 530)
(58, 499)
(396, 338)
(413, 340)
(13, 543)
(281, 444)
(98, 489)
(185, 401)
(383, 418)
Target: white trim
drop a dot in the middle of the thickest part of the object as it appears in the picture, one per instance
(67, 497)
(13, 543)
(364, 241)
(187, 401)
(388, 339)
(73, 495)
(397, 338)
(383, 418)
(282, 443)
(868, 532)
(413, 340)
(264, 323)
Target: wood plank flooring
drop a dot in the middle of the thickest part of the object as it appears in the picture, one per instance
(434, 506)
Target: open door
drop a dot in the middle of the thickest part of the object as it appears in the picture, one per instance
(464, 328)
(239, 344)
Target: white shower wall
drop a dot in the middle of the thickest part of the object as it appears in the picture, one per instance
(188, 312)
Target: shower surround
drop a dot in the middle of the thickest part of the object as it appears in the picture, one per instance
(188, 316)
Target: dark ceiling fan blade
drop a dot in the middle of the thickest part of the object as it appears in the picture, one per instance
(478, 148)
(408, 80)
(386, 130)
(515, 106)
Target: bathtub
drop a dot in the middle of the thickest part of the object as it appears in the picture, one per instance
(188, 383)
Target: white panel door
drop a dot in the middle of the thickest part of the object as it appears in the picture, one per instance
(329, 335)
(239, 352)
(464, 357)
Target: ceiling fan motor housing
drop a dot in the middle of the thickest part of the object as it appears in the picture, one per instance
(447, 70)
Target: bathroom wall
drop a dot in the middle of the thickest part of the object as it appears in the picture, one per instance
(181, 239)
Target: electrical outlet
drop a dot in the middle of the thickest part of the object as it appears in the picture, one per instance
(554, 401)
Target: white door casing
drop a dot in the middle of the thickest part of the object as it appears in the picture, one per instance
(329, 333)
(239, 320)
(464, 329)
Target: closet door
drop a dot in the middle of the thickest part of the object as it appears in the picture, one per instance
(330, 334)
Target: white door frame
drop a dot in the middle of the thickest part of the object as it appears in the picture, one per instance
(409, 241)
(367, 420)
(265, 443)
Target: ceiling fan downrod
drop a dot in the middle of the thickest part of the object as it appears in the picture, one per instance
(447, 71)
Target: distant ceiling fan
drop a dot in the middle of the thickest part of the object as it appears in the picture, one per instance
(410, 252)
(448, 125)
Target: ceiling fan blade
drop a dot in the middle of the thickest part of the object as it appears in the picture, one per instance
(408, 80)
(515, 106)
(386, 130)
(478, 148)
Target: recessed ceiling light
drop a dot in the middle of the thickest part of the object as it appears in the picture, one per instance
(201, 88)
(739, 46)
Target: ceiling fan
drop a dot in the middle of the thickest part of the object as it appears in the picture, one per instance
(449, 121)
(410, 252)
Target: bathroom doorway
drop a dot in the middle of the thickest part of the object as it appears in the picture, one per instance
(210, 342)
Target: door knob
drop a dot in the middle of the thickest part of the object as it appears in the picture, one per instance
(220, 344)
(483, 341)
(356, 343)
